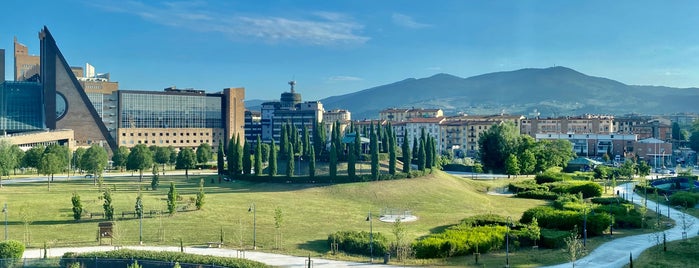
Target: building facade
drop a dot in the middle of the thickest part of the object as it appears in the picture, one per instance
(593, 124)
(403, 114)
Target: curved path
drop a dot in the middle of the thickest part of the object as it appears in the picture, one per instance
(616, 253)
(276, 260)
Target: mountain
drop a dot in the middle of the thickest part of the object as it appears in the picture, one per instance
(551, 91)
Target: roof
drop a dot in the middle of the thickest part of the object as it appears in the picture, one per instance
(651, 140)
(435, 120)
(349, 138)
(584, 161)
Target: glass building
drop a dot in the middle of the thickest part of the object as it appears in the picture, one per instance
(19, 107)
(148, 109)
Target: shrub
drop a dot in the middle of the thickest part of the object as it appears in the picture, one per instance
(88, 258)
(11, 249)
(608, 200)
(538, 194)
(563, 200)
(553, 238)
(358, 242)
(567, 220)
(588, 189)
(684, 198)
(460, 240)
(484, 220)
(527, 185)
(548, 177)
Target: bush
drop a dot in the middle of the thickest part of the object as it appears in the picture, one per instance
(527, 185)
(484, 220)
(538, 194)
(553, 238)
(11, 249)
(460, 240)
(358, 242)
(548, 177)
(564, 200)
(567, 220)
(588, 189)
(684, 199)
(608, 200)
(88, 259)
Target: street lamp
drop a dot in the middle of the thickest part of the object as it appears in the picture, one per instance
(4, 210)
(371, 237)
(507, 243)
(254, 226)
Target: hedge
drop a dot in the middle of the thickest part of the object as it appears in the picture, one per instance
(550, 218)
(608, 200)
(538, 194)
(548, 177)
(684, 199)
(460, 240)
(485, 220)
(359, 242)
(11, 249)
(588, 189)
(87, 259)
(553, 238)
(527, 185)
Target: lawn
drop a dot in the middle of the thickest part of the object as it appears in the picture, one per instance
(310, 212)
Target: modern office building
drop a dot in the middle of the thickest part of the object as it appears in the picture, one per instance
(50, 95)
(290, 109)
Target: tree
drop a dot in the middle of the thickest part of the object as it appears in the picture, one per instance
(7, 159)
(574, 245)
(374, 148)
(676, 131)
(527, 162)
(495, 144)
(333, 161)
(94, 161)
(272, 168)
(601, 172)
(694, 139)
(406, 153)
(220, 161)
(172, 199)
(351, 159)
(290, 162)
(161, 156)
(238, 161)
(305, 141)
(204, 153)
(140, 158)
(173, 156)
(428, 152)
(265, 153)
(77, 206)
(258, 157)
(644, 169)
(199, 203)
(415, 148)
(33, 156)
(138, 207)
(78, 158)
(247, 159)
(121, 157)
(284, 142)
(155, 180)
(391, 151)
(421, 156)
(107, 206)
(512, 165)
(400, 246)
(311, 162)
(232, 158)
(278, 223)
(186, 159)
(53, 160)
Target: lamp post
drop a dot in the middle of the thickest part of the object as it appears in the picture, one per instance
(507, 243)
(4, 210)
(371, 237)
(254, 226)
(585, 227)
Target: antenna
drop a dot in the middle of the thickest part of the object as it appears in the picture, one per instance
(292, 83)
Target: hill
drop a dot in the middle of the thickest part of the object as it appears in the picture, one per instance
(551, 91)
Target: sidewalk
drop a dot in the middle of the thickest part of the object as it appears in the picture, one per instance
(616, 253)
(277, 260)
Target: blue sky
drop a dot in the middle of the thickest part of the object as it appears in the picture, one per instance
(337, 47)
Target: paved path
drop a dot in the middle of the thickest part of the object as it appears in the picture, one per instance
(277, 260)
(616, 253)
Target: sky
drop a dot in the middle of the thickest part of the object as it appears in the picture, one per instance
(337, 47)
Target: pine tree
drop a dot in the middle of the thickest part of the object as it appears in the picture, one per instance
(297, 141)
(138, 207)
(290, 163)
(272, 168)
(406, 153)
(374, 147)
(247, 159)
(379, 137)
(333, 161)
(258, 157)
(311, 162)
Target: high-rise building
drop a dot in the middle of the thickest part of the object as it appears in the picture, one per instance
(26, 66)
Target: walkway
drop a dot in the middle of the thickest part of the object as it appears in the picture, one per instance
(276, 260)
(616, 253)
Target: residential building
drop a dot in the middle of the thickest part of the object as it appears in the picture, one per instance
(596, 145)
(343, 117)
(460, 134)
(593, 124)
(403, 114)
(253, 125)
(26, 66)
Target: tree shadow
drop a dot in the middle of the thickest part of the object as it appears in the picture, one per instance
(319, 246)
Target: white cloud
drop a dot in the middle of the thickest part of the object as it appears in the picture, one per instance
(407, 21)
(344, 78)
(319, 28)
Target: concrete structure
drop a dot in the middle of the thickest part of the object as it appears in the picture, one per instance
(403, 114)
(253, 125)
(593, 124)
(596, 145)
(657, 153)
(344, 117)
(290, 109)
(460, 134)
(27, 140)
(26, 66)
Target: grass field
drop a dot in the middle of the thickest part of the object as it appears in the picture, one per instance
(310, 212)
(681, 253)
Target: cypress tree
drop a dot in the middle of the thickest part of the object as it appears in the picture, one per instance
(311, 162)
(434, 153)
(258, 157)
(247, 159)
(231, 157)
(357, 146)
(385, 138)
(421, 157)
(374, 147)
(333, 161)
(391, 152)
(220, 161)
(406, 152)
(239, 156)
(283, 142)
(305, 142)
(379, 136)
(297, 141)
(415, 148)
(428, 154)
(290, 163)
(272, 168)
(351, 159)
(321, 150)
